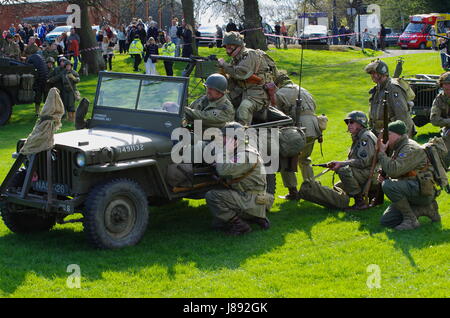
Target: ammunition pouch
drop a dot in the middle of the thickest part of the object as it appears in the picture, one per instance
(426, 183)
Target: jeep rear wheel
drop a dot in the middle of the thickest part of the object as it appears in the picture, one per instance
(20, 219)
(116, 214)
(5, 108)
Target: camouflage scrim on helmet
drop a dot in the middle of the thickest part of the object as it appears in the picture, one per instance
(233, 38)
(282, 79)
(444, 78)
(357, 116)
(377, 66)
(218, 82)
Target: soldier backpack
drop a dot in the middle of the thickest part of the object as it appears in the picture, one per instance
(292, 141)
(437, 154)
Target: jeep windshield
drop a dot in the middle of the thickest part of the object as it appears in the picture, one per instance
(141, 94)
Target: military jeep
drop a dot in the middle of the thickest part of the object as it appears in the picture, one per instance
(111, 170)
(426, 88)
(12, 93)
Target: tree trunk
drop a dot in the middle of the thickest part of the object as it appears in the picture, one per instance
(90, 53)
(255, 38)
(188, 13)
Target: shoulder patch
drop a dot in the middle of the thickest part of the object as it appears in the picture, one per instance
(402, 155)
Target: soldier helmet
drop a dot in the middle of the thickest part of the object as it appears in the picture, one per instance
(357, 116)
(444, 79)
(377, 66)
(239, 130)
(218, 82)
(50, 59)
(67, 62)
(233, 38)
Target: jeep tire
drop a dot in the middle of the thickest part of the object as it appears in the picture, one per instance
(116, 214)
(21, 220)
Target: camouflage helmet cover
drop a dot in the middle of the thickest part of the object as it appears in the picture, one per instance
(444, 78)
(50, 59)
(236, 128)
(233, 38)
(377, 66)
(357, 116)
(218, 82)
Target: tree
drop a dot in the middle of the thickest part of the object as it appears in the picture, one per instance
(254, 37)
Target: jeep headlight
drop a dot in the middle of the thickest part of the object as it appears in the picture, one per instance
(413, 41)
(80, 160)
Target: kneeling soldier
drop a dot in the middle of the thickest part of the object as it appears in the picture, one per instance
(355, 172)
(244, 199)
(409, 181)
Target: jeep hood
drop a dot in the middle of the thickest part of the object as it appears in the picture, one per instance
(96, 139)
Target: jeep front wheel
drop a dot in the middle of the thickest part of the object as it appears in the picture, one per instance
(23, 220)
(116, 214)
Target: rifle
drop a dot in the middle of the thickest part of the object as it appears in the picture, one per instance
(321, 165)
(192, 61)
(441, 36)
(375, 157)
(399, 67)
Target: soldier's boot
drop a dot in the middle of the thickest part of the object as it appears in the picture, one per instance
(292, 195)
(238, 227)
(376, 196)
(409, 221)
(431, 211)
(262, 222)
(360, 203)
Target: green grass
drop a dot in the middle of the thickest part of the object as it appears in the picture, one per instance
(308, 252)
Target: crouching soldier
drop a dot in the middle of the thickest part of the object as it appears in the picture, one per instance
(243, 199)
(213, 109)
(355, 171)
(409, 180)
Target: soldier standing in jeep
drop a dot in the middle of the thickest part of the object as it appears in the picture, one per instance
(397, 101)
(440, 111)
(250, 70)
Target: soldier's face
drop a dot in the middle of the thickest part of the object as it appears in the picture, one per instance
(232, 50)
(213, 94)
(446, 88)
(376, 77)
(393, 138)
(353, 127)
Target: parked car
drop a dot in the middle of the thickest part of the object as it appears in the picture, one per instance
(51, 36)
(314, 34)
(391, 37)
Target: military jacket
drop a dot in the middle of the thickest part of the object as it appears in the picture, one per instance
(407, 156)
(212, 113)
(287, 102)
(440, 111)
(247, 63)
(11, 50)
(239, 166)
(397, 103)
(362, 150)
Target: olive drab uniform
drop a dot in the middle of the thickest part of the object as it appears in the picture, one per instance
(406, 166)
(356, 171)
(397, 104)
(440, 116)
(244, 198)
(11, 49)
(212, 113)
(286, 98)
(244, 65)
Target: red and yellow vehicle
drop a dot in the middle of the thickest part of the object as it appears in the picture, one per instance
(417, 33)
